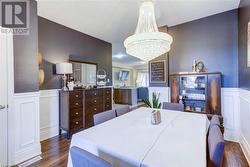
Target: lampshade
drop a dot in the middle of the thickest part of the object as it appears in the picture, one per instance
(147, 43)
(64, 68)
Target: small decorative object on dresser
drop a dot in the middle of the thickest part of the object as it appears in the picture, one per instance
(194, 66)
(71, 84)
(200, 67)
(101, 77)
(63, 69)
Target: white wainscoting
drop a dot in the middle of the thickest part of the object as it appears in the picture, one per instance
(244, 121)
(230, 108)
(49, 113)
(230, 113)
(24, 131)
(163, 91)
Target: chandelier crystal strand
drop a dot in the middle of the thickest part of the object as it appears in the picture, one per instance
(147, 43)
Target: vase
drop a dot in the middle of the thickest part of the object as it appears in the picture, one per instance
(156, 117)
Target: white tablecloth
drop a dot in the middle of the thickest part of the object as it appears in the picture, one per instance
(131, 141)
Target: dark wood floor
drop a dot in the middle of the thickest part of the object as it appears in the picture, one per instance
(55, 153)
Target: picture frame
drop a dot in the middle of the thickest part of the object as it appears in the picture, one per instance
(157, 71)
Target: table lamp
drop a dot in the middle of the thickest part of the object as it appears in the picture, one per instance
(63, 69)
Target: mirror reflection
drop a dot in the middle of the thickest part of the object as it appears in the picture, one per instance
(84, 73)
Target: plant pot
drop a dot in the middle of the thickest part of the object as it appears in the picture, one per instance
(156, 117)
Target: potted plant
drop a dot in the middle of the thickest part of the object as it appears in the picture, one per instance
(155, 101)
(156, 114)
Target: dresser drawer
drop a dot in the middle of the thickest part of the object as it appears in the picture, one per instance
(95, 101)
(89, 121)
(93, 109)
(76, 94)
(93, 93)
(76, 124)
(107, 106)
(76, 113)
(107, 98)
(108, 91)
(76, 103)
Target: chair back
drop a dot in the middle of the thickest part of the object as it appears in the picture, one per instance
(121, 110)
(82, 158)
(103, 117)
(216, 146)
(173, 106)
(142, 93)
(215, 121)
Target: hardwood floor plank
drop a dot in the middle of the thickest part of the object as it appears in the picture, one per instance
(55, 154)
(233, 156)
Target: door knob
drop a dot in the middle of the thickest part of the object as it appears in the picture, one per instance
(2, 107)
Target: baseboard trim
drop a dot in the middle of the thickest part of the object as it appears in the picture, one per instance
(231, 135)
(245, 147)
(49, 132)
(26, 153)
(29, 162)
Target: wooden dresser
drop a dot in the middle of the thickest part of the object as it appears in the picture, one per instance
(96, 101)
(78, 107)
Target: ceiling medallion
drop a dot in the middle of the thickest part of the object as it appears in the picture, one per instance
(147, 43)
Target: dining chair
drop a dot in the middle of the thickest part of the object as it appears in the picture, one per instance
(215, 121)
(216, 146)
(82, 158)
(104, 116)
(121, 110)
(173, 106)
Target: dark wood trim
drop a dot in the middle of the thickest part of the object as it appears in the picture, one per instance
(200, 73)
(85, 62)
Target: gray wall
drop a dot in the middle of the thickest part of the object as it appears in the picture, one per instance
(162, 57)
(212, 40)
(25, 56)
(243, 19)
(58, 43)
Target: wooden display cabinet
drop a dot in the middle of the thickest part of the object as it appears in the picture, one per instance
(199, 92)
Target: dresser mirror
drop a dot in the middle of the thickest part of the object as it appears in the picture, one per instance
(84, 73)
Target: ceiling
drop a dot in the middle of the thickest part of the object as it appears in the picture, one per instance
(114, 20)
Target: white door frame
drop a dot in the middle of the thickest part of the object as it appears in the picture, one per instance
(6, 52)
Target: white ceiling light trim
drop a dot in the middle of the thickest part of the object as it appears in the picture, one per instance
(147, 43)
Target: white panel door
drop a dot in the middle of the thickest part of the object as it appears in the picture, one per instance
(3, 98)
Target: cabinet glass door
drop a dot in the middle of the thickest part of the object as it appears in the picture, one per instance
(193, 92)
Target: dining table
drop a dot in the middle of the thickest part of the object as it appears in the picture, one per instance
(131, 140)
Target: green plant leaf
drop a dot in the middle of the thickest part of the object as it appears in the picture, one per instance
(155, 101)
(147, 102)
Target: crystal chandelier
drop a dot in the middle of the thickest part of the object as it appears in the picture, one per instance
(147, 43)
